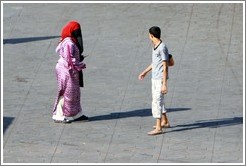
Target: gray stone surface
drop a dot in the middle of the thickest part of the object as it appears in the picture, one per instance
(205, 99)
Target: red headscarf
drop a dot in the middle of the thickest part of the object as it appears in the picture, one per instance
(72, 29)
(68, 29)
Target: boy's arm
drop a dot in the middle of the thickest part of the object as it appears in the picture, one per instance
(143, 74)
(164, 81)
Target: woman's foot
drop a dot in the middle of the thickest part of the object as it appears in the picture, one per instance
(83, 118)
(63, 121)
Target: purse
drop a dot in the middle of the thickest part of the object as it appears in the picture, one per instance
(171, 60)
(81, 79)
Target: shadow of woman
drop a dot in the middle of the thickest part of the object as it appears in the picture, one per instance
(134, 113)
(27, 39)
(6, 123)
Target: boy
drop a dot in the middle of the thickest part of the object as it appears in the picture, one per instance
(159, 69)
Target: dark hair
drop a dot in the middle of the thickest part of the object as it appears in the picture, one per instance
(155, 31)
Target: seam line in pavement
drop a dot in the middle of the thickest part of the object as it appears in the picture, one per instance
(186, 37)
(223, 81)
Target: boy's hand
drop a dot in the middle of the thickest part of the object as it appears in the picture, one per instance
(141, 76)
(145, 72)
(164, 89)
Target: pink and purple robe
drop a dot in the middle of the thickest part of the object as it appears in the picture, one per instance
(67, 103)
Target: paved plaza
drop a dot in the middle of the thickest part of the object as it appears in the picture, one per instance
(205, 101)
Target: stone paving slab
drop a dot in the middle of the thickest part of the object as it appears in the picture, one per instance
(205, 99)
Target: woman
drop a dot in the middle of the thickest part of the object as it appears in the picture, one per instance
(67, 106)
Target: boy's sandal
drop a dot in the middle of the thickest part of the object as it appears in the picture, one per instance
(155, 132)
(164, 126)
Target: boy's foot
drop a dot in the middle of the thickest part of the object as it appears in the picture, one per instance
(164, 126)
(155, 132)
(83, 118)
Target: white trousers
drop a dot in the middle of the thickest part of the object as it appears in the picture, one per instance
(158, 105)
(58, 114)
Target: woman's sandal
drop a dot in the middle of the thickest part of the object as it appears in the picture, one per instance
(63, 121)
(83, 118)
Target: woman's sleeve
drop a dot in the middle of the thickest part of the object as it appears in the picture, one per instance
(74, 62)
(67, 55)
